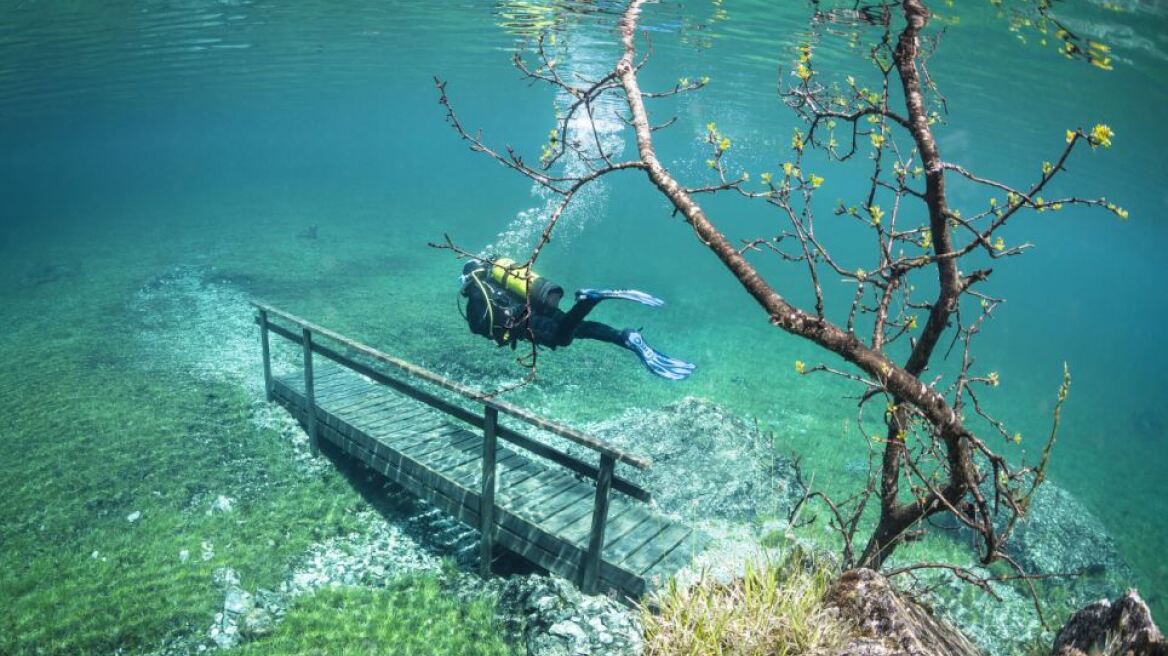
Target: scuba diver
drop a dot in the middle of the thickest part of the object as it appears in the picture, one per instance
(497, 293)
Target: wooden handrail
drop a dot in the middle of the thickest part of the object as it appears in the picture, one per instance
(570, 434)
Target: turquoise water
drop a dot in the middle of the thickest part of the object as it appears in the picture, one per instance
(143, 136)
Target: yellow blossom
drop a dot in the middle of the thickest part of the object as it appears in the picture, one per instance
(816, 181)
(912, 322)
(802, 72)
(993, 378)
(800, 368)
(877, 139)
(861, 274)
(711, 163)
(724, 144)
(1017, 438)
(1101, 135)
(1070, 136)
(876, 213)
(765, 177)
(999, 244)
(1047, 167)
(927, 239)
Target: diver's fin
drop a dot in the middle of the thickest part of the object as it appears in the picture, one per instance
(655, 361)
(627, 294)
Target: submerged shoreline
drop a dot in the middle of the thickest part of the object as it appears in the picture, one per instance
(195, 322)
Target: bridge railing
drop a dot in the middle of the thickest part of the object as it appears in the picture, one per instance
(307, 334)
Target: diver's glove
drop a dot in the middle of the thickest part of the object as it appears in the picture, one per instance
(627, 294)
(654, 360)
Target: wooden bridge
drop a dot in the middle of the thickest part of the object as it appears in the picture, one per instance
(537, 501)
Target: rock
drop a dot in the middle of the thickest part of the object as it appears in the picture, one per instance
(225, 577)
(134, 516)
(707, 461)
(262, 618)
(184, 555)
(1060, 535)
(550, 617)
(238, 601)
(889, 623)
(1124, 628)
(222, 504)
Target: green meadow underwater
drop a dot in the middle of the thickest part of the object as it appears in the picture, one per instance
(163, 163)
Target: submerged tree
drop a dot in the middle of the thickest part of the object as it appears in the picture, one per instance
(931, 461)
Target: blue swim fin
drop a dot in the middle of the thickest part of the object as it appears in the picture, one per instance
(655, 361)
(627, 294)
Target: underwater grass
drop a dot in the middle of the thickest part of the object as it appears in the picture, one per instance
(774, 608)
(416, 616)
(90, 447)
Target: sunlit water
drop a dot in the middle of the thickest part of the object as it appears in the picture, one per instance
(141, 136)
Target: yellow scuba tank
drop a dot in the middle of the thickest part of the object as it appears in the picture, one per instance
(522, 282)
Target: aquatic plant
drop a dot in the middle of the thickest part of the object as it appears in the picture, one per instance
(927, 456)
(773, 608)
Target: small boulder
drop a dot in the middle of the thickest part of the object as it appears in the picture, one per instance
(1123, 628)
(550, 617)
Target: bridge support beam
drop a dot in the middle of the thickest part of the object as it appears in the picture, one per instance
(487, 493)
(591, 571)
(310, 395)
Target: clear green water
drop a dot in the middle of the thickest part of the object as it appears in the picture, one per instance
(143, 136)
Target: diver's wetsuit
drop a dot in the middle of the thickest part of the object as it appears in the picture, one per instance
(493, 312)
(504, 317)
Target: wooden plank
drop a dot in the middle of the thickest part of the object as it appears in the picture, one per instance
(624, 516)
(635, 539)
(551, 504)
(446, 451)
(649, 553)
(409, 443)
(569, 516)
(360, 394)
(682, 555)
(411, 435)
(577, 496)
(341, 391)
(434, 448)
(547, 487)
(517, 471)
(359, 414)
(386, 425)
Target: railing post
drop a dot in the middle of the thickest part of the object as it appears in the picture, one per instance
(591, 573)
(267, 354)
(310, 393)
(487, 494)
